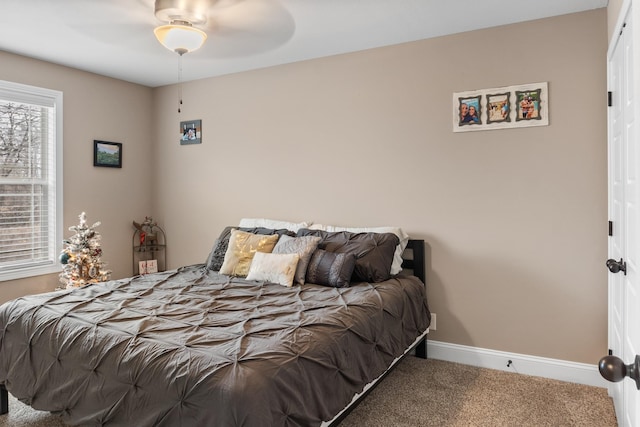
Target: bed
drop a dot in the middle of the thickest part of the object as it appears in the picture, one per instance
(193, 346)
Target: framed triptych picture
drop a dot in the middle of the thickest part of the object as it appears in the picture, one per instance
(501, 108)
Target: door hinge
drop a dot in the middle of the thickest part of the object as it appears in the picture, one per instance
(610, 352)
(610, 228)
(610, 98)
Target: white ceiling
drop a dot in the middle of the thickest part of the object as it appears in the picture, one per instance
(115, 37)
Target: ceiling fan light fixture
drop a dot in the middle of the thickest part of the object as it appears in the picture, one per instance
(180, 37)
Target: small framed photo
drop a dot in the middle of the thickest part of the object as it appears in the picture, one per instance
(469, 111)
(498, 108)
(107, 154)
(528, 104)
(191, 132)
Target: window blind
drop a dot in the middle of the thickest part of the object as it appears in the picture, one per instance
(30, 187)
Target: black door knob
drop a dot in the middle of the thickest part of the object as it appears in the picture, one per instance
(613, 369)
(617, 266)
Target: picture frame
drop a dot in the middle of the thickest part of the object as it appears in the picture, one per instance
(469, 110)
(191, 132)
(528, 104)
(502, 107)
(498, 107)
(107, 154)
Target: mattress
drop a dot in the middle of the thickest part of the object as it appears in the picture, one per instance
(193, 347)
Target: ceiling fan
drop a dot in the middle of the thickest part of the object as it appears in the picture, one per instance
(179, 34)
(233, 27)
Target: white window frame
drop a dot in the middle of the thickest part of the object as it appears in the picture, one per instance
(32, 94)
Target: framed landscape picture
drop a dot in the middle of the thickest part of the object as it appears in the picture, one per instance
(107, 154)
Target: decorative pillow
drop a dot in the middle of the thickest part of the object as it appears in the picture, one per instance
(330, 268)
(303, 246)
(273, 268)
(242, 248)
(273, 223)
(396, 266)
(374, 251)
(216, 257)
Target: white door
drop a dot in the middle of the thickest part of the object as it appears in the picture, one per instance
(624, 212)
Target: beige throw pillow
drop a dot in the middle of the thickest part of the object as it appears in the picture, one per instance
(241, 250)
(273, 268)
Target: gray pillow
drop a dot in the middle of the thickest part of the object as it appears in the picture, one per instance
(330, 268)
(303, 246)
(373, 251)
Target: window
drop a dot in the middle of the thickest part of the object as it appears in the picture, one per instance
(30, 180)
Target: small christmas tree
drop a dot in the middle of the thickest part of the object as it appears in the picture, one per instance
(81, 257)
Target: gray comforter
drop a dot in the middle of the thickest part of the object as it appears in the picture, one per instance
(190, 347)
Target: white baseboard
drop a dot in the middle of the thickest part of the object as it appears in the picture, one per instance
(556, 369)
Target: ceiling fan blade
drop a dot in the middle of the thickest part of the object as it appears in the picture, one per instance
(87, 15)
(95, 11)
(239, 28)
(127, 24)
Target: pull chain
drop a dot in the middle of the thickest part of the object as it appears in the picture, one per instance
(179, 84)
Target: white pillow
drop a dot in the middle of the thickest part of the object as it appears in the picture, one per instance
(396, 265)
(273, 224)
(274, 268)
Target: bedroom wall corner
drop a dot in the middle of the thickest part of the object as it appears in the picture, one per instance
(94, 107)
(513, 219)
(613, 11)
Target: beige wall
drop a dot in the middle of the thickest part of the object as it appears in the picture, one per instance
(515, 220)
(94, 107)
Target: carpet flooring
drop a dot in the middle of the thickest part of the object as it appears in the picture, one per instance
(437, 393)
